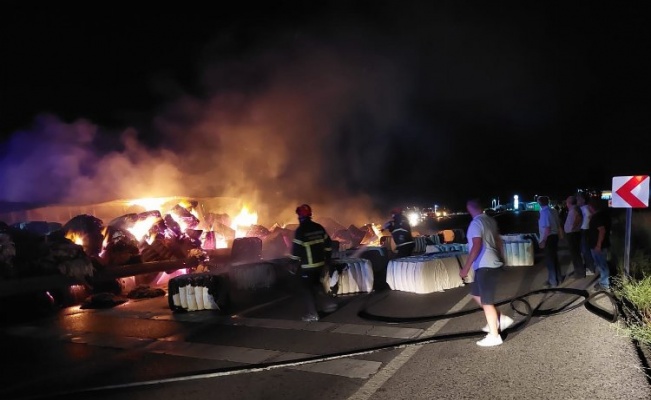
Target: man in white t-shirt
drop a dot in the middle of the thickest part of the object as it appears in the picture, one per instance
(486, 259)
(572, 230)
(588, 262)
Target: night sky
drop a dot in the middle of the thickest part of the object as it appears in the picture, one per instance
(329, 103)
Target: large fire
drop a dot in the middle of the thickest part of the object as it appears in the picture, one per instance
(243, 221)
(179, 234)
(141, 229)
(210, 239)
(212, 231)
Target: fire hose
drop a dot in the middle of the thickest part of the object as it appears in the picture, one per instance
(519, 304)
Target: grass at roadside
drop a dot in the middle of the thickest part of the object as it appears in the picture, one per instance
(635, 291)
(637, 299)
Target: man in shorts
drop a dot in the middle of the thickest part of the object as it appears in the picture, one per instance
(486, 260)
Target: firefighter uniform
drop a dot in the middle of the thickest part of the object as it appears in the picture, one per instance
(401, 233)
(312, 248)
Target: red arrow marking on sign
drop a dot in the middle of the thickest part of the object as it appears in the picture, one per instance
(625, 192)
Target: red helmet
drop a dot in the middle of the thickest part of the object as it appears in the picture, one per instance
(304, 211)
(396, 211)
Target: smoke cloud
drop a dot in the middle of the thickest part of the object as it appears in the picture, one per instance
(299, 121)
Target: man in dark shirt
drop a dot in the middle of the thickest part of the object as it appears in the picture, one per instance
(599, 241)
(312, 247)
(401, 233)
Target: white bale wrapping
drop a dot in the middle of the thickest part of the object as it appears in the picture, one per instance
(425, 274)
(518, 250)
(198, 295)
(190, 298)
(209, 302)
(354, 276)
(183, 297)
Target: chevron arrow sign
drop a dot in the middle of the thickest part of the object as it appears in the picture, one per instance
(631, 191)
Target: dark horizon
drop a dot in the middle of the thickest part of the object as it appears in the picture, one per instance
(379, 105)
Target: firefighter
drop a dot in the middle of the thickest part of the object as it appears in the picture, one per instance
(401, 233)
(312, 248)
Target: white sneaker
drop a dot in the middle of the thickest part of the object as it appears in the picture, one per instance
(489, 341)
(505, 322)
(310, 318)
(588, 272)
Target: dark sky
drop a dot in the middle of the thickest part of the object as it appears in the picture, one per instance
(328, 102)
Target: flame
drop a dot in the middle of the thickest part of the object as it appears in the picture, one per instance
(164, 277)
(243, 221)
(377, 229)
(149, 203)
(141, 228)
(189, 208)
(105, 242)
(213, 240)
(221, 243)
(76, 238)
(179, 221)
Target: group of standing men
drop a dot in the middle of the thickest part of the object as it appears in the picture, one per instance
(586, 230)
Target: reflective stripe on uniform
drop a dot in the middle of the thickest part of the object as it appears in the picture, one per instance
(402, 244)
(308, 252)
(308, 266)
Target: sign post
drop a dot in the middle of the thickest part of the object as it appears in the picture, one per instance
(630, 192)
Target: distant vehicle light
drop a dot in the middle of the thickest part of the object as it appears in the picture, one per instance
(413, 218)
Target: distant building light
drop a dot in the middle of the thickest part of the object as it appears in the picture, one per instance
(606, 195)
(516, 202)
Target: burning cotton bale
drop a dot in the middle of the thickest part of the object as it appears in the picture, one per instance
(160, 249)
(273, 246)
(72, 261)
(212, 219)
(291, 227)
(124, 222)
(357, 235)
(184, 218)
(7, 255)
(258, 231)
(26, 254)
(247, 249)
(170, 227)
(276, 244)
(370, 235)
(156, 238)
(331, 226)
(121, 247)
(344, 238)
(65, 257)
(223, 234)
(87, 231)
